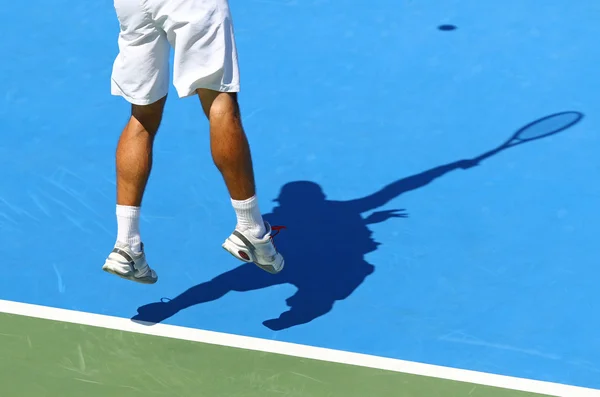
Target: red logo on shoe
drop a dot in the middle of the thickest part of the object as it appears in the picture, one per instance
(244, 255)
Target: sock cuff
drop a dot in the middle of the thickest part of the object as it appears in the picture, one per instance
(247, 204)
(128, 211)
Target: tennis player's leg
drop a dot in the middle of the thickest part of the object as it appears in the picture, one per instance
(251, 240)
(141, 76)
(206, 65)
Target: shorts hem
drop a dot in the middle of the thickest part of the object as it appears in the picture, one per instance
(146, 100)
(214, 87)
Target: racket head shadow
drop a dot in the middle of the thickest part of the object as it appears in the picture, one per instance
(546, 126)
(538, 129)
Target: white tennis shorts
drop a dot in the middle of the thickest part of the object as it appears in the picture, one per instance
(201, 35)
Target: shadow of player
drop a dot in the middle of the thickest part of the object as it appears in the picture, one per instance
(325, 242)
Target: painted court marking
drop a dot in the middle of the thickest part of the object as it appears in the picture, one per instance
(296, 350)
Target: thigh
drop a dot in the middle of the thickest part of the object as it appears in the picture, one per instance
(141, 69)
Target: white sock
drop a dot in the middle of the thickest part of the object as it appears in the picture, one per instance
(128, 224)
(249, 217)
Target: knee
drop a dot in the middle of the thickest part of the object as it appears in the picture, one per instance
(147, 118)
(224, 108)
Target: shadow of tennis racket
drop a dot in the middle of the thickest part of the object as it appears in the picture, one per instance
(538, 129)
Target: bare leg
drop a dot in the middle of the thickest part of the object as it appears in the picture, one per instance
(134, 152)
(134, 162)
(228, 143)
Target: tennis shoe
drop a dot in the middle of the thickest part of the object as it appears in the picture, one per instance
(261, 251)
(123, 262)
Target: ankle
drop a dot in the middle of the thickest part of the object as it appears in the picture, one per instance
(249, 218)
(257, 231)
(128, 220)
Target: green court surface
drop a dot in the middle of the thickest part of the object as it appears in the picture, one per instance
(51, 358)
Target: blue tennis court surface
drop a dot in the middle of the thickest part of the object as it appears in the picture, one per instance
(490, 268)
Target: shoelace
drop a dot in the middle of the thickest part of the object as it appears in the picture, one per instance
(276, 229)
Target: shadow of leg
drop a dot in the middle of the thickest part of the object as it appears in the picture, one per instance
(302, 313)
(316, 295)
(247, 277)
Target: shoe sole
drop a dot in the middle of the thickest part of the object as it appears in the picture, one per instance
(130, 278)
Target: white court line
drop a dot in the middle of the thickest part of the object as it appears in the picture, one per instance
(291, 349)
